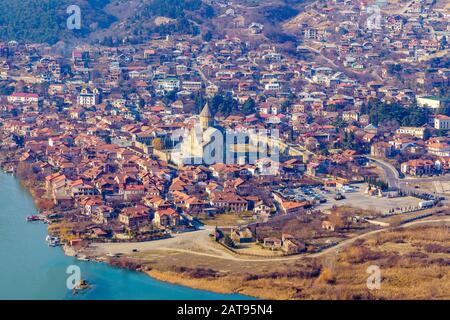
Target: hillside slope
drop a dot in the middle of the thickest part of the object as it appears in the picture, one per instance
(45, 20)
(112, 21)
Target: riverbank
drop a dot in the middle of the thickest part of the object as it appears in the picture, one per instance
(413, 260)
(226, 285)
(29, 264)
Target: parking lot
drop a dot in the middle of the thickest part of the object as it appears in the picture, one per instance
(306, 194)
(355, 196)
(359, 199)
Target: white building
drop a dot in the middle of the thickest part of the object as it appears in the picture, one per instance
(192, 85)
(442, 122)
(418, 132)
(272, 86)
(88, 98)
(429, 102)
(24, 98)
(169, 84)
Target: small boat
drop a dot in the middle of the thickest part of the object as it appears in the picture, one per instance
(83, 258)
(9, 170)
(33, 218)
(53, 241)
(54, 244)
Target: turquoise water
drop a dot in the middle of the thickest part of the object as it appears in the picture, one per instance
(29, 269)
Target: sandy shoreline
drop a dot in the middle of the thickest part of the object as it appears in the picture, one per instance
(222, 285)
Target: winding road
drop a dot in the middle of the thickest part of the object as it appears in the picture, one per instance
(392, 175)
(395, 181)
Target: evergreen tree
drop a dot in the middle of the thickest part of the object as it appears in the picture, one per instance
(207, 36)
(249, 106)
(445, 110)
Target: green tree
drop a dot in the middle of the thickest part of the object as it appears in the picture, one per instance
(207, 36)
(45, 20)
(380, 112)
(443, 43)
(224, 104)
(340, 123)
(445, 110)
(6, 90)
(249, 106)
(199, 102)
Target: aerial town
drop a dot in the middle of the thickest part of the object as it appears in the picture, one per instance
(235, 137)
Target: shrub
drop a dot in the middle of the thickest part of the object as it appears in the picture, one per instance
(436, 248)
(360, 255)
(326, 276)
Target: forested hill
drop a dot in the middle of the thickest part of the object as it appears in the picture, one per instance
(45, 20)
(111, 22)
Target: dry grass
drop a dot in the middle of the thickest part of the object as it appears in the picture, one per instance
(410, 269)
(257, 250)
(228, 219)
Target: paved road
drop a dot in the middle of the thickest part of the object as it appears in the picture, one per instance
(371, 233)
(331, 62)
(392, 175)
(202, 74)
(395, 181)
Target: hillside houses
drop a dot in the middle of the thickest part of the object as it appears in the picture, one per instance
(102, 131)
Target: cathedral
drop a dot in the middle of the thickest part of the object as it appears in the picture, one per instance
(204, 144)
(208, 143)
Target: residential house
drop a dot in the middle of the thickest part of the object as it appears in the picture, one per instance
(134, 217)
(167, 218)
(442, 122)
(418, 167)
(228, 201)
(418, 132)
(272, 243)
(381, 150)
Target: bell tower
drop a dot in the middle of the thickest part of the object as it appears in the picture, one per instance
(206, 118)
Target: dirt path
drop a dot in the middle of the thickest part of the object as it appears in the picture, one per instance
(314, 255)
(200, 239)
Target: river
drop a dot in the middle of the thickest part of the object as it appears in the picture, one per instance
(30, 269)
